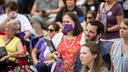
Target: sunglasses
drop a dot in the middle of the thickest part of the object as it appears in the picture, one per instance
(89, 17)
(124, 28)
(51, 30)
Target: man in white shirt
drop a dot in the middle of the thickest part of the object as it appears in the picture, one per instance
(11, 13)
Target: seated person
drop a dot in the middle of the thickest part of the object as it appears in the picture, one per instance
(42, 44)
(12, 45)
(45, 10)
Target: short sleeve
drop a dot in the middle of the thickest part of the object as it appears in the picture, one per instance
(119, 10)
(39, 43)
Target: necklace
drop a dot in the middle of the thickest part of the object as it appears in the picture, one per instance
(66, 45)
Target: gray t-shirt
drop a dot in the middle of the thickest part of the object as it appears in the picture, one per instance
(43, 5)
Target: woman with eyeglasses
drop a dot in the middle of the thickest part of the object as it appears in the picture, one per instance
(91, 15)
(38, 51)
(119, 50)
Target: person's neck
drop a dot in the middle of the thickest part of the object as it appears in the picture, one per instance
(39, 33)
(71, 7)
(8, 37)
(125, 41)
(111, 2)
(90, 2)
(90, 65)
(69, 36)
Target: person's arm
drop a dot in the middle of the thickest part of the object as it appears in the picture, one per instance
(19, 52)
(34, 55)
(27, 34)
(61, 4)
(53, 11)
(26, 27)
(111, 53)
(99, 9)
(116, 27)
(98, 16)
(35, 11)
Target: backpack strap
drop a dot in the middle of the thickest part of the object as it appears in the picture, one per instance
(50, 44)
(101, 6)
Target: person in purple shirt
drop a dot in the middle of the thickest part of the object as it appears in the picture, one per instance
(2, 11)
(111, 14)
(42, 44)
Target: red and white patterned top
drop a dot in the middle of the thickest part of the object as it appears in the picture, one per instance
(67, 49)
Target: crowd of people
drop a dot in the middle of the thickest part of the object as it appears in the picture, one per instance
(64, 35)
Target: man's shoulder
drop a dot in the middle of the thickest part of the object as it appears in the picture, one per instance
(3, 16)
(20, 15)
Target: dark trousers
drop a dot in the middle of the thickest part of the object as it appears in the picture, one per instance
(42, 67)
(4, 65)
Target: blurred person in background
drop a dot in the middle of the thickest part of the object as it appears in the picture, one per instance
(38, 28)
(45, 10)
(12, 13)
(70, 6)
(111, 14)
(91, 15)
(91, 5)
(25, 6)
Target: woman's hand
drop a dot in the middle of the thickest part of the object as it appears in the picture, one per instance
(49, 61)
(4, 58)
(36, 62)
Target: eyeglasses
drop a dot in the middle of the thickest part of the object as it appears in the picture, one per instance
(124, 28)
(51, 30)
(89, 17)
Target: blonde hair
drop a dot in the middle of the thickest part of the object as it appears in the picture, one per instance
(126, 22)
(15, 25)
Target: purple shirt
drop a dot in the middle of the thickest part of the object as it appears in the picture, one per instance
(109, 18)
(41, 46)
(1, 10)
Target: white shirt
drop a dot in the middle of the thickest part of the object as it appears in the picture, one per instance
(25, 24)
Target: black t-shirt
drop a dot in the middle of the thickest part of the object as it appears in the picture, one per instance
(92, 7)
(76, 10)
